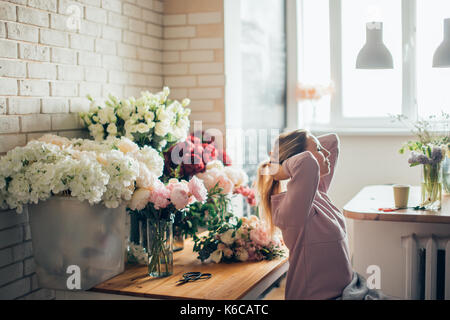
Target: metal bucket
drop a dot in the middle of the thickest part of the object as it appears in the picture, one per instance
(76, 246)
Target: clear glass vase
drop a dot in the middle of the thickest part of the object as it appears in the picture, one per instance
(137, 252)
(178, 242)
(431, 186)
(160, 248)
(446, 175)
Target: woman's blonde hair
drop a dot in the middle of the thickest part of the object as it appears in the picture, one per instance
(288, 144)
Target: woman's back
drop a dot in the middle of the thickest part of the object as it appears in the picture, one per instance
(313, 228)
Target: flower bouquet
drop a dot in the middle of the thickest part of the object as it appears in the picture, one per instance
(430, 149)
(99, 172)
(151, 120)
(431, 158)
(201, 158)
(157, 205)
(238, 239)
(76, 191)
(191, 156)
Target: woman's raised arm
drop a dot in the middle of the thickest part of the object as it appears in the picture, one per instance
(296, 204)
(331, 143)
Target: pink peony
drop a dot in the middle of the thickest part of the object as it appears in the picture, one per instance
(160, 196)
(179, 195)
(260, 236)
(197, 189)
(226, 184)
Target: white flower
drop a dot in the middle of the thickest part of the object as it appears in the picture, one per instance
(126, 145)
(146, 178)
(241, 254)
(112, 129)
(227, 237)
(97, 131)
(91, 171)
(185, 102)
(162, 128)
(216, 256)
(214, 164)
(151, 158)
(56, 140)
(170, 123)
(165, 115)
(166, 91)
(142, 128)
(236, 175)
(140, 199)
(107, 115)
(125, 110)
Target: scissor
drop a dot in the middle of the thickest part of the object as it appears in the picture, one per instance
(193, 276)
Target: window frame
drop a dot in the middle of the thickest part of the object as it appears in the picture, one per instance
(338, 122)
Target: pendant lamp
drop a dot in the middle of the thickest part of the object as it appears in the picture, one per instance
(441, 58)
(374, 54)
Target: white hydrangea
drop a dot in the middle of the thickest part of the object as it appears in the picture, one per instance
(151, 158)
(105, 171)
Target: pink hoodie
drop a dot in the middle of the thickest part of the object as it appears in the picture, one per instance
(313, 228)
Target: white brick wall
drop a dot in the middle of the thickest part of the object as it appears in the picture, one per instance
(123, 47)
(46, 69)
(193, 61)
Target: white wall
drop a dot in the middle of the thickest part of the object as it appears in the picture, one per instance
(368, 160)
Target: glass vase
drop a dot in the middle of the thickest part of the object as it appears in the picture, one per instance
(137, 252)
(178, 242)
(431, 186)
(160, 248)
(446, 175)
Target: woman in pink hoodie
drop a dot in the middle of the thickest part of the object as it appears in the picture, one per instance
(313, 228)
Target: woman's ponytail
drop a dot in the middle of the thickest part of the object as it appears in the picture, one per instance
(266, 186)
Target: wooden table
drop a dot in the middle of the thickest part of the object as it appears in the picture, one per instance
(391, 241)
(364, 206)
(242, 280)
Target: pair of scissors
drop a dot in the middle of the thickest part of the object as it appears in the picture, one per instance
(193, 276)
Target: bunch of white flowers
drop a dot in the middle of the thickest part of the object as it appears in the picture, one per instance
(106, 171)
(152, 120)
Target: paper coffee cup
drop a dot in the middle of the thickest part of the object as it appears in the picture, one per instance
(401, 195)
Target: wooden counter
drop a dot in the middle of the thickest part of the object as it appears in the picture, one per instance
(242, 280)
(364, 206)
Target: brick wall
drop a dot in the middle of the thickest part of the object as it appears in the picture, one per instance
(50, 60)
(193, 58)
(47, 66)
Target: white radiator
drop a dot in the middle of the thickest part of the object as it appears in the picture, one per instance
(422, 278)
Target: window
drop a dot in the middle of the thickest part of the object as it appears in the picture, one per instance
(330, 35)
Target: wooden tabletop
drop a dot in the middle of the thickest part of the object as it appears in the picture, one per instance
(228, 282)
(364, 206)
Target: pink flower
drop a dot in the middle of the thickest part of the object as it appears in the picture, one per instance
(197, 189)
(260, 236)
(227, 252)
(160, 196)
(226, 184)
(179, 195)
